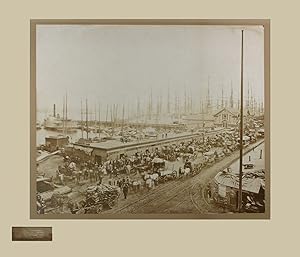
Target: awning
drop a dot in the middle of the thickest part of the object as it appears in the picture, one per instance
(250, 183)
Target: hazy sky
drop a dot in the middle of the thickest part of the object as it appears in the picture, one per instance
(115, 64)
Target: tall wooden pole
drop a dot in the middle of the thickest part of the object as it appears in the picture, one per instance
(241, 127)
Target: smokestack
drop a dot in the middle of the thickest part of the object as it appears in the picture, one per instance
(54, 114)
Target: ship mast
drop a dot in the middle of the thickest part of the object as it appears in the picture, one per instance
(106, 117)
(99, 116)
(208, 97)
(95, 115)
(87, 119)
(112, 107)
(185, 101)
(123, 113)
(168, 106)
(138, 110)
(222, 97)
(81, 118)
(66, 121)
(63, 120)
(231, 97)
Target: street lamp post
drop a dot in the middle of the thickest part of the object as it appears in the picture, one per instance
(241, 129)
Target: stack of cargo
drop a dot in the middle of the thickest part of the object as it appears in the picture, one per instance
(99, 197)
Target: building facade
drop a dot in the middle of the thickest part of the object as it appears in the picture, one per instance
(225, 118)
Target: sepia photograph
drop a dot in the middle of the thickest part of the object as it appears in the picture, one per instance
(149, 119)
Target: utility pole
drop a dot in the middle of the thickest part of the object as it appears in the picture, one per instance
(241, 128)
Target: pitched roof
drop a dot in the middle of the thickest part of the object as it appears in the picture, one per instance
(252, 181)
(225, 109)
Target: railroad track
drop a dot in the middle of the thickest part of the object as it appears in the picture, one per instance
(193, 200)
(149, 198)
(159, 203)
(161, 189)
(160, 200)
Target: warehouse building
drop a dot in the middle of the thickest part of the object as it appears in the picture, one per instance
(113, 149)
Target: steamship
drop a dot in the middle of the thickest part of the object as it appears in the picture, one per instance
(55, 122)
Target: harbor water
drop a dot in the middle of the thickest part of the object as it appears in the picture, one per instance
(74, 135)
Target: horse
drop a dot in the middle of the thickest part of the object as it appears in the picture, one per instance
(186, 172)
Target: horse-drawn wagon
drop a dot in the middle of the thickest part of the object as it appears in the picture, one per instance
(209, 157)
(166, 175)
(98, 198)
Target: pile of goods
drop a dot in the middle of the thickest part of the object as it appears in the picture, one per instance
(58, 200)
(100, 197)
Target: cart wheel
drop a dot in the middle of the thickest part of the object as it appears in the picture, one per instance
(99, 209)
(111, 204)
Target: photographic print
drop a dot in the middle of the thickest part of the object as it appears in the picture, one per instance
(149, 119)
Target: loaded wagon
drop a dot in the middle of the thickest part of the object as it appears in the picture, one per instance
(261, 132)
(166, 175)
(158, 164)
(209, 157)
(98, 198)
(219, 155)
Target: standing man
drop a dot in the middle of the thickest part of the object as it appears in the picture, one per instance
(125, 190)
(91, 175)
(100, 175)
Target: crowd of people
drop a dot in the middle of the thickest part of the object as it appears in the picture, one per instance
(142, 161)
(134, 173)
